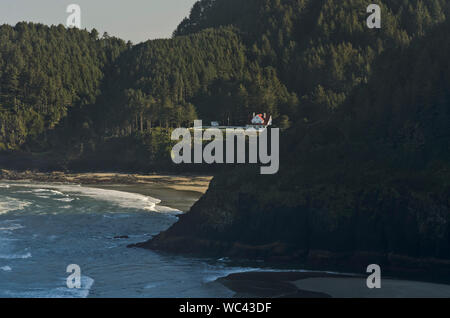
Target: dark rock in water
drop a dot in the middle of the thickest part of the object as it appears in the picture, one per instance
(122, 237)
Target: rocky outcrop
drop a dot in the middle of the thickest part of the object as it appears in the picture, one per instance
(333, 228)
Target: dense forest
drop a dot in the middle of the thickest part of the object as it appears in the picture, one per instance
(46, 71)
(81, 96)
(365, 112)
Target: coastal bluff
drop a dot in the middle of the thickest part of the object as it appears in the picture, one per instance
(331, 228)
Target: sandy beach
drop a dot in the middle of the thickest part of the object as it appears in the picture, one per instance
(177, 182)
(179, 192)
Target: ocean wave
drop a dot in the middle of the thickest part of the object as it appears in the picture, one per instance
(6, 268)
(153, 285)
(15, 256)
(59, 292)
(65, 199)
(212, 274)
(116, 216)
(23, 191)
(8, 204)
(10, 225)
(43, 196)
(48, 191)
(119, 198)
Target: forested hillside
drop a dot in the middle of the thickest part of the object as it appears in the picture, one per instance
(207, 75)
(321, 49)
(45, 71)
(81, 98)
(137, 95)
(364, 164)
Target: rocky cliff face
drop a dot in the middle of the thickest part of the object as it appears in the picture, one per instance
(328, 226)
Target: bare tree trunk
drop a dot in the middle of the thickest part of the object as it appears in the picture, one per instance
(136, 123)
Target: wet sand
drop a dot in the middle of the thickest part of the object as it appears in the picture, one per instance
(356, 287)
(179, 199)
(269, 285)
(326, 285)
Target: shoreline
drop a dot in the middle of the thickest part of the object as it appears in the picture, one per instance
(309, 284)
(175, 191)
(194, 183)
(182, 192)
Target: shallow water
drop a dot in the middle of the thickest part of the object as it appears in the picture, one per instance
(46, 227)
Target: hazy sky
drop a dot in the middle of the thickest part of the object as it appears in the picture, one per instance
(135, 20)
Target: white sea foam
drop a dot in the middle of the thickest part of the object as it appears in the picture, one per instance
(65, 199)
(48, 191)
(15, 256)
(153, 285)
(215, 273)
(119, 198)
(8, 204)
(43, 196)
(64, 292)
(59, 292)
(6, 268)
(116, 216)
(9, 225)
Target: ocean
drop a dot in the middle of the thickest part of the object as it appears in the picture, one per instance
(46, 227)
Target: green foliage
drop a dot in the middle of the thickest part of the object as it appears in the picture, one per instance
(44, 71)
(169, 74)
(294, 58)
(317, 45)
(68, 91)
